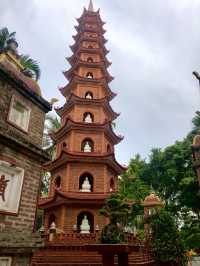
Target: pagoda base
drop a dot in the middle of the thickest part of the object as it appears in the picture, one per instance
(64, 253)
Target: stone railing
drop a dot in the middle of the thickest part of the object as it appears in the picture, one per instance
(74, 238)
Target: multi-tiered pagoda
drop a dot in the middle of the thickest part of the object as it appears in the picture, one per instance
(85, 170)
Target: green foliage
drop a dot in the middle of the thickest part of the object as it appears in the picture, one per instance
(133, 188)
(169, 172)
(31, 65)
(116, 209)
(112, 234)
(52, 124)
(166, 241)
(5, 36)
(190, 232)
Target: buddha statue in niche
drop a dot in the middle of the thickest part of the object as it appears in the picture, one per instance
(86, 186)
(85, 226)
(87, 147)
(88, 118)
(88, 96)
(89, 75)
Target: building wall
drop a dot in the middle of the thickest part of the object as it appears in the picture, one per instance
(98, 91)
(67, 216)
(27, 207)
(37, 116)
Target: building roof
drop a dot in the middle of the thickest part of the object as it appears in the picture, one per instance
(11, 69)
(61, 197)
(81, 157)
(72, 125)
(152, 200)
(91, 7)
(74, 99)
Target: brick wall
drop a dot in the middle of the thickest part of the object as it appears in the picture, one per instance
(31, 164)
(37, 116)
(27, 208)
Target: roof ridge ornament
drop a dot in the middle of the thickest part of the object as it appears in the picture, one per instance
(91, 7)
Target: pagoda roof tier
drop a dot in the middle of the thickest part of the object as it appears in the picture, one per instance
(74, 99)
(70, 125)
(82, 38)
(100, 38)
(73, 70)
(83, 28)
(66, 198)
(81, 80)
(74, 58)
(83, 157)
(90, 51)
(88, 15)
(100, 51)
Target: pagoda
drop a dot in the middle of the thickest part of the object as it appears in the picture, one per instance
(84, 171)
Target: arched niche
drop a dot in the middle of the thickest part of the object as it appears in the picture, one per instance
(109, 148)
(112, 185)
(90, 60)
(90, 218)
(88, 117)
(89, 95)
(64, 144)
(89, 75)
(86, 178)
(52, 219)
(57, 182)
(87, 145)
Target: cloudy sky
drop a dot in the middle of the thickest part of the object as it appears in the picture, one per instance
(154, 46)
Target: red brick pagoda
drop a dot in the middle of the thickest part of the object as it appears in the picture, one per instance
(85, 170)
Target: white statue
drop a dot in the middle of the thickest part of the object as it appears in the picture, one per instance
(88, 118)
(85, 227)
(87, 147)
(86, 187)
(89, 76)
(88, 96)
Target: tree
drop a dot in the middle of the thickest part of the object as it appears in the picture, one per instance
(116, 209)
(31, 67)
(52, 124)
(167, 244)
(190, 231)
(5, 36)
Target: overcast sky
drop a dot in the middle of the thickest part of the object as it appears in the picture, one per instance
(154, 46)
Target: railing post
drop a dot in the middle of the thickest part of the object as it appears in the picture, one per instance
(52, 232)
(123, 259)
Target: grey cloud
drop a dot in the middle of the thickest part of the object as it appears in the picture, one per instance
(154, 48)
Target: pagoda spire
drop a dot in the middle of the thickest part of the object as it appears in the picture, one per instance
(91, 7)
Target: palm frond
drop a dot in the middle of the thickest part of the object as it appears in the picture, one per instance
(5, 36)
(32, 65)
